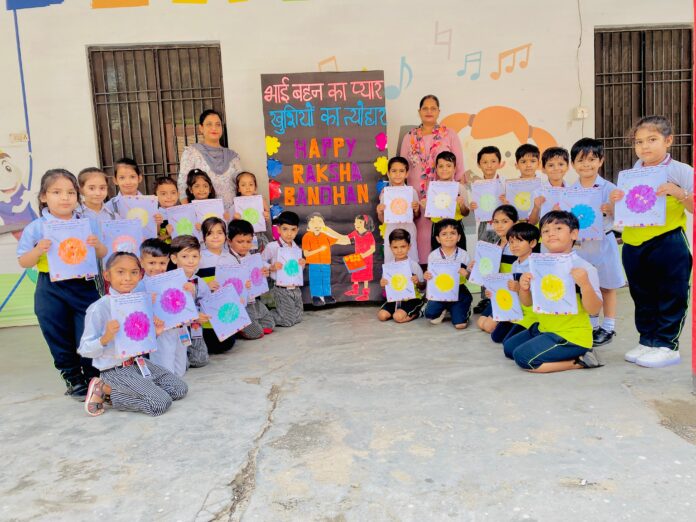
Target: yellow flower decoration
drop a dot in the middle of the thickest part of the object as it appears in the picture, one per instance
(381, 164)
(272, 145)
(382, 228)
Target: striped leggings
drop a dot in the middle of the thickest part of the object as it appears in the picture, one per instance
(198, 353)
(260, 318)
(130, 391)
(289, 308)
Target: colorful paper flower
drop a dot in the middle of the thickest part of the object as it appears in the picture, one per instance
(273, 189)
(136, 326)
(237, 283)
(228, 313)
(641, 198)
(381, 164)
(382, 229)
(444, 282)
(173, 300)
(275, 231)
(552, 287)
(256, 276)
(292, 267)
(380, 185)
(381, 141)
(72, 251)
(184, 227)
(251, 215)
(272, 145)
(124, 243)
(274, 167)
(504, 299)
(585, 214)
(398, 282)
(275, 211)
(487, 202)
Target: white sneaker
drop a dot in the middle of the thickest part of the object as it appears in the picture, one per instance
(632, 355)
(659, 358)
(439, 319)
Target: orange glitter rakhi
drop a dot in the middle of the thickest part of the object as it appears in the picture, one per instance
(72, 251)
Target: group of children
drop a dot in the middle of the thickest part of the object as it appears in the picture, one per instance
(75, 315)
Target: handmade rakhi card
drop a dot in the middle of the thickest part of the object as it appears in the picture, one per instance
(233, 275)
(400, 285)
(183, 220)
(70, 257)
(122, 235)
(441, 199)
(641, 206)
(259, 283)
(206, 208)
(519, 192)
(227, 314)
(552, 197)
(251, 210)
(444, 285)
(585, 204)
(553, 288)
(505, 303)
(290, 274)
(398, 204)
(174, 305)
(486, 261)
(486, 194)
(136, 333)
(142, 208)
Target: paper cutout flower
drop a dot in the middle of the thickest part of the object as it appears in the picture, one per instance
(256, 276)
(291, 267)
(275, 211)
(237, 283)
(381, 164)
(209, 215)
(380, 186)
(136, 326)
(487, 202)
(274, 229)
(228, 313)
(274, 167)
(184, 227)
(552, 287)
(381, 141)
(399, 206)
(585, 214)
(523, 200)
(273, 189)
(173, 300)
(251, 215)
(72, 251)
(485, 266)
(382, 229)
(399, 282)
(444, 282)
(443, 200)
(504, 299)
(139, 213)
(272, 145)
(124, 243)
(641, 198)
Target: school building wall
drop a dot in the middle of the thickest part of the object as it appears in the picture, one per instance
(553, 37)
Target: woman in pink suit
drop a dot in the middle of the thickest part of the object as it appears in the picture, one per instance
(421, 146)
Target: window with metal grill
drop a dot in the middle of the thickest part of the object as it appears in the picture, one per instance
(147, 100)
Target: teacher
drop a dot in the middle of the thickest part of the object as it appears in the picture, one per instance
(421, 146)
(220, 163)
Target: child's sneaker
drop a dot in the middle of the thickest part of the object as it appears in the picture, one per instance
(659, 358)
(317, 301)
(600, 336)
(632, 355)
(589, 360)
(439, 319)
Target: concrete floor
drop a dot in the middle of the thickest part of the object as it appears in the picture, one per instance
(342, 418)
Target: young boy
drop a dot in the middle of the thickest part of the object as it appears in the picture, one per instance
(316, 246)
(122, 383)
(403, 311)
(527, 161)
(185, 252)
(240, 237)
(288, 299)
(587, 156)
(554, 163)
(559, 342)
(445, 168)
(448, 234)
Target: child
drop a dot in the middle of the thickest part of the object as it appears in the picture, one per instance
(127, 178)
(559, 342)
(240, 235)
(523, 239)
(527, 161)
(199, 186)
(185, 252)
(288, 299)
(246, 186)
(215, 253)
(94, 189)
(657, 259)
(554, 163)
(504, 217)
(365, 248)
(122, 383)
(167, 194)
(587, 156)
(316, 246)
(397, 173)
(171, 352)
(403, 311)
(60, 305)
(448, 234)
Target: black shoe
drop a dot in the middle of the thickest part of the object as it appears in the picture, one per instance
(318, 301)
(600, 337)
(328, 299)
(481, 306)
(77, 391)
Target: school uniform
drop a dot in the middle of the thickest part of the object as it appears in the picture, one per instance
(60, 306)
(130, 390)
(461, 308)
(409, 227)
(104, 214)
(604, 253)
(657, 261)
(556, 338)
(288, 299)
(198, 355)
(206, 272)
(412, 307)
(112, 205)
(258, 313)
(506, 329)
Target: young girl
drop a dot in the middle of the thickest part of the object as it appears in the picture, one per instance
(200, 186)
(397, 173)
(656, 259)
(122, 383)
(504, 217)
(94, 189)
(365, 247)
(60, 305)
(127, 178)
(246, 186)
(167, 196)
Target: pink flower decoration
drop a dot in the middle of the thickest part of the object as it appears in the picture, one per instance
(237, 283)
(275, 232)
(641, 198)
(173, 300)
(381, 141)
(136, 326)
(256, 276)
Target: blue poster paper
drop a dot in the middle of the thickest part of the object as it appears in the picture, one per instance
(290, 274)
(250, 208)
(444, 285)
(259, 284)
(174, 305)
(505, 303)
(585, 204)
(441, 199)
(227, 313)
(235, 275)
(143, 208)
(641, 206)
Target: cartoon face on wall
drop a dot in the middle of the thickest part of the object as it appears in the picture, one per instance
(500, 126)
(15, 198)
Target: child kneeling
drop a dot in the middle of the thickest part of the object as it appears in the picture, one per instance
(403, 311)
(122, 383)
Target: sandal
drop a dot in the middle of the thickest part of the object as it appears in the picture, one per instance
(95, 389)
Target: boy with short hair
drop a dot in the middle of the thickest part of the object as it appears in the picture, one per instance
(527, 160)
(288, 299)
(559, 342)
(554, 163)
